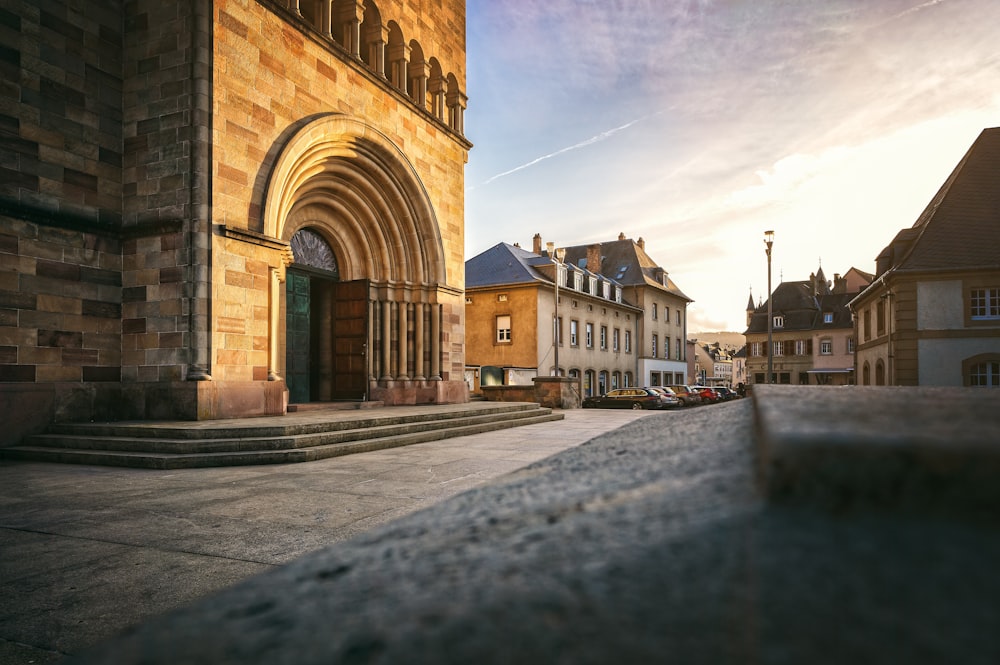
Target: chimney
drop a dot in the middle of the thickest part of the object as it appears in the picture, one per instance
(641, 243)
(594, 258)
(621, 236)
(536, 245)
(550, 249)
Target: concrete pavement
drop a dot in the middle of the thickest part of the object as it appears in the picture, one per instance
(86, 551)
(654, 543)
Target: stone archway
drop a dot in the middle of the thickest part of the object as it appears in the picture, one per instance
(349, 184)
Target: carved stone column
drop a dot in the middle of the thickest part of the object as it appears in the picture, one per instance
(436, 342)
(386, 340)
(418, 341)
(401, 324)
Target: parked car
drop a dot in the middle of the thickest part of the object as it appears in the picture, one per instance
(727, 393)
(670, 398)
(708, 395)
(625, 398)
(687, 394)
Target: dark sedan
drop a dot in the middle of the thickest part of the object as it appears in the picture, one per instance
(625, 398)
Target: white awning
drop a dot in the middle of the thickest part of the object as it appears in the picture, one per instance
(846, 370)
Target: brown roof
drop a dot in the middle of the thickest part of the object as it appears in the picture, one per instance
(960, 228)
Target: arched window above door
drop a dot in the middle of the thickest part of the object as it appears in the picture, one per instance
(311, 249)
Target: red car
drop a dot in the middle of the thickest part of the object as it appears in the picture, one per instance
(708, 395)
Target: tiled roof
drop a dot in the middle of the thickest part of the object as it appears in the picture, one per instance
(625, 262)
(960, 228)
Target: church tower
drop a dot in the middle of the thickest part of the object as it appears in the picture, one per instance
(220, 207)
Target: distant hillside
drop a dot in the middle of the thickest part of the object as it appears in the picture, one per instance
(727, 340)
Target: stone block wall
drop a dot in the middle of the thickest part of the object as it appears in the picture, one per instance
(60, 211)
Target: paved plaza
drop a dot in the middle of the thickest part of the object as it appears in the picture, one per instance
(86, 551)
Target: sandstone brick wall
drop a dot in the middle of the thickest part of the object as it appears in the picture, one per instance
(272, 72)
(60, 209)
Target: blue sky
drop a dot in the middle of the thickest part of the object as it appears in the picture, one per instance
(699, 124)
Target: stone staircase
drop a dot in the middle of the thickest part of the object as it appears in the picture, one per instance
(312, 434)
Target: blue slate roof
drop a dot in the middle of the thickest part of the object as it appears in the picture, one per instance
(504, 264)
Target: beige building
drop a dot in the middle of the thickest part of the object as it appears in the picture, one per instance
(216, 205)
(608, 294)
(932, 315)
(511, 322)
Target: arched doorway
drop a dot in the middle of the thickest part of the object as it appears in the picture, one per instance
(325, 325)
(378, 326)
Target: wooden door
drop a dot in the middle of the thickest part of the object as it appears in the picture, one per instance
(349, 334)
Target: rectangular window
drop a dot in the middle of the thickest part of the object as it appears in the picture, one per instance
(666, 348)
(850, 345)
(800, 347)
(825, 347)
(985, 374)
(779, 322)
(779, 349)
(755, 348)
(573, 325)
(868, 323)
(678, 317)
(604, 338)
(985, 303)
(653, 348)
(503, 328)
(615, 339)
(654, 311)
(827, 317)
(879, 317)
(628, 341)
(654, 378)
(677, 348)
(590, 335)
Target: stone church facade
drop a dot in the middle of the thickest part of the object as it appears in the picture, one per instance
(210, 208)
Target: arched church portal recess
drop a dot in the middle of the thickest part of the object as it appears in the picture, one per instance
(326, 326)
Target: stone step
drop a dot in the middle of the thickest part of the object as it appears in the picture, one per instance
(236, 443)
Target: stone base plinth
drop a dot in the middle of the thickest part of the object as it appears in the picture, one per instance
(558, 392)
(394, 392)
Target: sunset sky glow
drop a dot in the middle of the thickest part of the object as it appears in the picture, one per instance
(698, 125)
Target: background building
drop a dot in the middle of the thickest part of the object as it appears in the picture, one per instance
(932, 315)
(812, 333)
(202, 201)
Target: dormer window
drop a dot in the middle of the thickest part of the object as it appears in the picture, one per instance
(578, 280)
(827, 317)
(593, 285)
(779, 322)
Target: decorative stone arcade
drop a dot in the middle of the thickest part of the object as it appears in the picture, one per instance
(360, 314)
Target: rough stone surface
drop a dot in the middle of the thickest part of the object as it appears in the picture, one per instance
(931, 450)
(650, 543)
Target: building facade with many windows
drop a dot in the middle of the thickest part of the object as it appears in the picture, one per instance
(661, 333)
(931, 317)
(603, 323)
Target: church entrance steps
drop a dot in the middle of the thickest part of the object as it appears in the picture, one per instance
(311, 434)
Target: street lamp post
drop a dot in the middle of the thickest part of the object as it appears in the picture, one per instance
(560, 254)
(769, 241)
